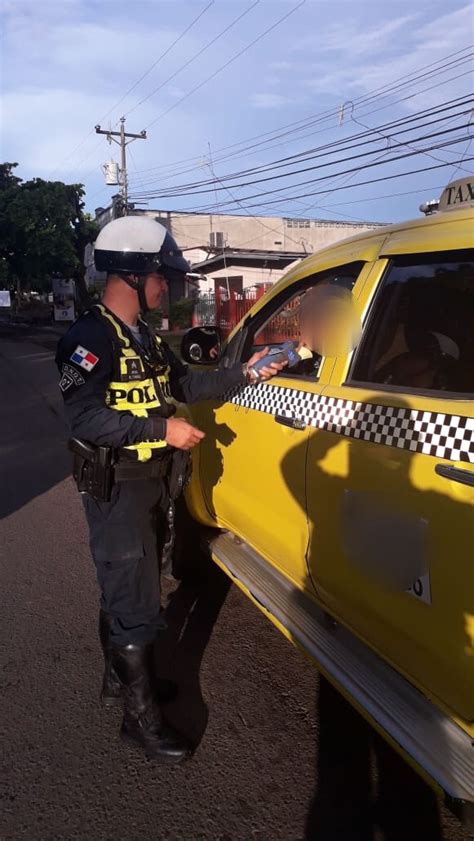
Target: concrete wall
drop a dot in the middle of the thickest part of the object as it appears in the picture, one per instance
(193, 233)
(263, 234)
(269, 233)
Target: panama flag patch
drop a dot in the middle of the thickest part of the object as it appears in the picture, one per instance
(84, 358)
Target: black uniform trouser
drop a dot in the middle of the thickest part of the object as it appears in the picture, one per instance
(126, 536)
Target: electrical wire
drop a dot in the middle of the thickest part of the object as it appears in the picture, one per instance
(346, 181)
(227, 63)
(410, 78)
(302, 123)
(195, 191)
(387, 196)
(389, 88)
(332, 143)
(273, 230)
(350, 186)
(364, 139)
(325, 129)
(219, 69)
(138, 81)
(194, 57)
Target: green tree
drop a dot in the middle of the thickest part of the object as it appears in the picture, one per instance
(7, 178)
(43, 231)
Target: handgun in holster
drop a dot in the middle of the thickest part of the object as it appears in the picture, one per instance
(93, 468)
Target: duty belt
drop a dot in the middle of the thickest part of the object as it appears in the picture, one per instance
(155, 469)
(95, 469)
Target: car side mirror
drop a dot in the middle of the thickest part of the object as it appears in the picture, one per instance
(202, 345)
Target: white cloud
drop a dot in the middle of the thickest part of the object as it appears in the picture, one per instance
(268, 100)
(280, 65)
(66, 62)
(353, 40)
(353, 74)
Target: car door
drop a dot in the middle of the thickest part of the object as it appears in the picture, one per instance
(390, 474)
(249, 435)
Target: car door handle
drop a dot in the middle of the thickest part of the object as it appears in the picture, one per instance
(293, 423)
(456, 474)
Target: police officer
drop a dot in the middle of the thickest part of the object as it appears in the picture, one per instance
(119, 382)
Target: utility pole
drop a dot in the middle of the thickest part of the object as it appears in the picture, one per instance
(123, 143)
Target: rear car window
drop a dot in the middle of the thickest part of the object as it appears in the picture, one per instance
(420, 333)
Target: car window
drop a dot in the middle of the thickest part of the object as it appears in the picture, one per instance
(292, 317)
(420, 333)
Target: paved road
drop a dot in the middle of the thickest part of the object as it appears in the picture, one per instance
(281, 756)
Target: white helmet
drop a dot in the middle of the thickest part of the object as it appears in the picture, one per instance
(138, 245)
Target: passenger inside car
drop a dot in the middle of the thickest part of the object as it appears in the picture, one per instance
(424, 315)
(432, 364)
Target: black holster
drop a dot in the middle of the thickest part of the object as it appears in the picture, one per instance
(93, 469)
(180, 472)
(178, 477)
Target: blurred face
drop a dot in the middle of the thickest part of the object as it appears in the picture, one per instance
(155, 287)
(328, 322)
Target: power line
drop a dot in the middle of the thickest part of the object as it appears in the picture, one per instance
(310, 134)
(408, 145)
(192, 189)
(441, 66)
(346, 181)
(468, 146)
(378, 180)
(195, 56)
(389, 87)
(138, 81)
(223, 67)
(365, 138)
(159, 60)
(207, 208)
(386, 196)
(308, 154)
(227, 63)
(410, 78)
(250, 215)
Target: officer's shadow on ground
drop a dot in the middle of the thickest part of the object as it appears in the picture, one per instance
(364, 790)
(33, 452)
(192, 609)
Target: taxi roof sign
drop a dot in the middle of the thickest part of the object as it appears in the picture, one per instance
(457, 194)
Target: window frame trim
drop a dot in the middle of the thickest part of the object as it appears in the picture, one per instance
(294, 289)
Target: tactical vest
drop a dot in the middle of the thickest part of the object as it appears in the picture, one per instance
(140, 383)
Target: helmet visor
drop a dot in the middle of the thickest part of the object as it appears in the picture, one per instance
(173, 264)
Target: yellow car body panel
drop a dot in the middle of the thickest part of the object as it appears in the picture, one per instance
(287, 491)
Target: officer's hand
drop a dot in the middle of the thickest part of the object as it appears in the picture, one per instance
(268, 371)
(180, 434)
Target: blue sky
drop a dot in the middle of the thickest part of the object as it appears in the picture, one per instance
(66, 64)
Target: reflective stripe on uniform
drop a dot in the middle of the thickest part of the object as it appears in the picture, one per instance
(116, 325)
(135, 391)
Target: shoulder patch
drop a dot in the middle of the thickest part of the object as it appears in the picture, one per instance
(84, 358)
(70, 377)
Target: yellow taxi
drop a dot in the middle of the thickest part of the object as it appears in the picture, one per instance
(342, 491)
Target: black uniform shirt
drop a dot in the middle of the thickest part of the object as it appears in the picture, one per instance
(85, 358)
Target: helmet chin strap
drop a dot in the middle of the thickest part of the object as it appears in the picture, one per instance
(138, 283)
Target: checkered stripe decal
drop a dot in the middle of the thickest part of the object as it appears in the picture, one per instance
(443, 436)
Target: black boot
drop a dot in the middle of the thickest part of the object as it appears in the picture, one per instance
(142, 722)
(164, 690)
(111, 695)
